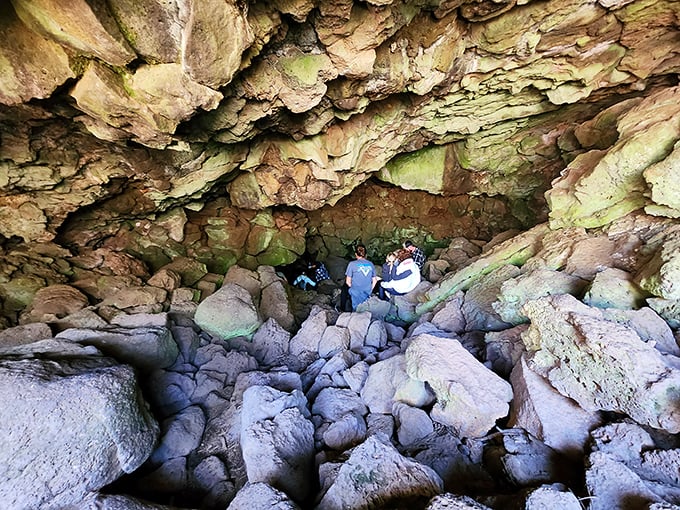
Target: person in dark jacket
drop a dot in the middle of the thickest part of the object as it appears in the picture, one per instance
(389, 270)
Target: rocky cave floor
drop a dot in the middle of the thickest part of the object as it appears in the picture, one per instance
(539, 370)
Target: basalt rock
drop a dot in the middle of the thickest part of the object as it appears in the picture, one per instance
(117, 127)
(160, 161)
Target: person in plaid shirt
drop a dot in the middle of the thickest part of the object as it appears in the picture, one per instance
(319, 270)
(417, 254)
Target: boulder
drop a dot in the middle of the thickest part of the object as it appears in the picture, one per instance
(357, 323)
(478, 307)
(449, 316)
(54, 302)
(277, 441)
(144, 348)
(344, 433)
(118, 502)
(626, 463)
(515, 457)
(549, 496)
(306, 340)
(470, 397)
(388, 382)
(138, 298)
(549, 416)
(180, 435)
(376, 475)
(334, 403)
(228, 313)
(334, 340)
(270, 343)
(614, 288)
(660, 276)
(651, 328)
(459, 462)
(514, 292)
(166, 278)
(70, 427)
(611, 484)
(454, 502)
(601, 364)
(504, 349)
(261, 495)
(376, 336)
(25, 334)
(274, 305)
(515, 250)
(668, 309)
(413, 424)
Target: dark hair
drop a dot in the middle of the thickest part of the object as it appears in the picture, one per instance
(407, 243)
(360, 250)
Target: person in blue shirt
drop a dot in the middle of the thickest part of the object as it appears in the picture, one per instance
(360, 277)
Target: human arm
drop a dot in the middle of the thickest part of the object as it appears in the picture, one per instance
(402, 275)
(348, 281)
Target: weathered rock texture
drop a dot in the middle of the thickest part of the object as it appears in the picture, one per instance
(158, 160)
(186, 128)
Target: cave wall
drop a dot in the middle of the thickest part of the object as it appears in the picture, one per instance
(236, 132)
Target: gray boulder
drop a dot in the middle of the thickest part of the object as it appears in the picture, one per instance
(601, 364)
(470, 397)
(274, 305)
(388, 382)
(376, 475)
(454, 502)
(228, 313)
(261, 495)
(68, 429)
(305, 343)
(25, 334)
(270, 343)
(533, 285)
(277, 440)
(668, 309)
(478, 308)
(551, 417)
(118, 502)
(145, 348)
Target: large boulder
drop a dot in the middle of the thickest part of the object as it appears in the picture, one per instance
(376, 475)
(470, 397)
(228, 313)
(261, 495)
(600, 363)
(551, 417)
(144, 348)
(388, 382)
(277, 440)
(69, 428)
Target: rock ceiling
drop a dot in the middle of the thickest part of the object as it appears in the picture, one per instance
(121, 117)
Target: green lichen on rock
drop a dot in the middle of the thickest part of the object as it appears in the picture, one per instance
(423, 169)
(661, 275)
(277, 256)
(304, 68)
(598, 187)
(515, 251)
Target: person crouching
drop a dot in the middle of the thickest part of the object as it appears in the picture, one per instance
(406, 277)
